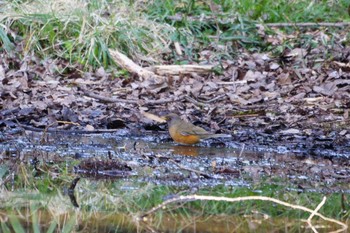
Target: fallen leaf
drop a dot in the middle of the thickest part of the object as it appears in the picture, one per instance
(153, 117)
(326, 88)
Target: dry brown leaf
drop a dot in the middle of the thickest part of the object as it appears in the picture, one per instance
(153, 117)
(326, 88)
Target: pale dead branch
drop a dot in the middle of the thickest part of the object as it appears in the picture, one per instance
(126, 63)
(157, 72)
(313, 214)
(190, 198)
(181, 69)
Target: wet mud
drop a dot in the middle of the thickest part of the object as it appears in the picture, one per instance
(156, 159)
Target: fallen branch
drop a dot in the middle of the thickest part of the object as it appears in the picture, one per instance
(164, 101)
(181, 69)
(241, 153)
(313, 214)
(126, 63)
(108, 99)
(67, 131)
(129, 101)
(194, 101)
(190, 198)
(214, 99)
(157, 72)
(43, 136)
(232, 82)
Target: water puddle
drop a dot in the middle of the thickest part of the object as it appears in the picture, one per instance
(105, 182)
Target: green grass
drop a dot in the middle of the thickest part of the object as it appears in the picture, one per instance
(81, 32)
(115, 196)
(107, 200)
(267, 11)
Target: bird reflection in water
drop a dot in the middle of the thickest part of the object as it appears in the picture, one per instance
(186, 150)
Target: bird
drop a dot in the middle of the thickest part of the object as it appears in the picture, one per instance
(186, 133)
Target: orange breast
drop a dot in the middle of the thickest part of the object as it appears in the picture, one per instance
(184, 139)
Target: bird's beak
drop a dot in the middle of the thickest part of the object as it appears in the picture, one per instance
(166, 118)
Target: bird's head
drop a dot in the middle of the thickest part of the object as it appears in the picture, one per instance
(170, 117)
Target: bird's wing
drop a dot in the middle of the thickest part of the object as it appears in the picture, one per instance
(194, 131)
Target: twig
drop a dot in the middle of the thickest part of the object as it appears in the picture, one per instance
(194, 101)
(164, 101)
(43, 136)
(42, 139)
(108, 99)
(7, 178)
(240, 153)
(205, 175)
(130, 101)
(232, 83)
(35, 129)
(203, 102)
(314, 212)
(190, 198)
(215, 98)
(247, 115)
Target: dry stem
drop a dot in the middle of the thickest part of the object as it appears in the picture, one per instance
(250, 198)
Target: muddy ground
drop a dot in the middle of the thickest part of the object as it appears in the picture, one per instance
(144, 160)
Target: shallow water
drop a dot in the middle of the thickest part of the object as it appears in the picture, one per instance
(116, 171)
